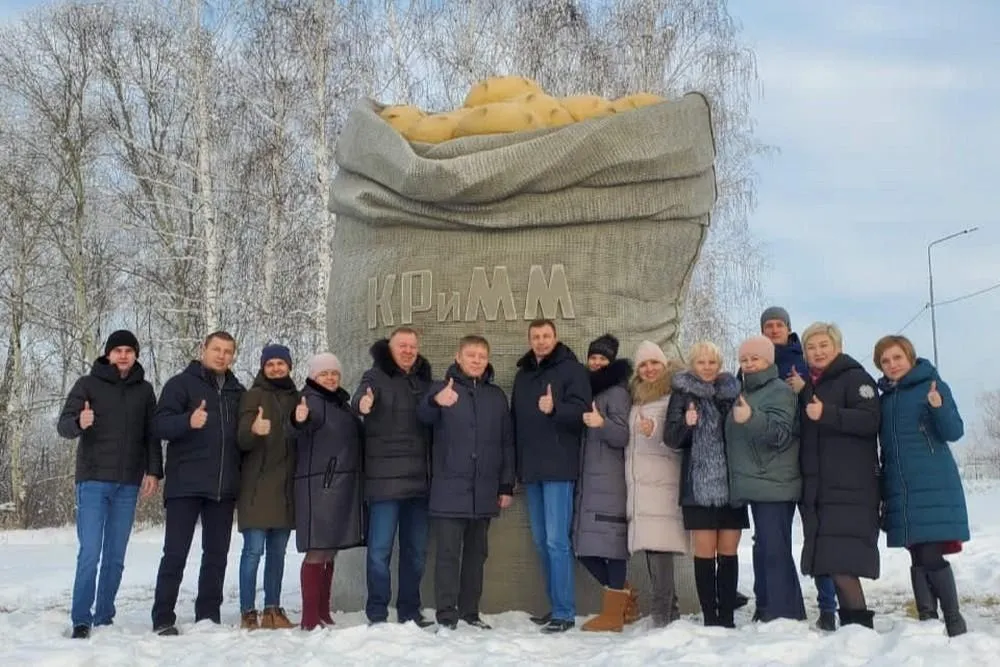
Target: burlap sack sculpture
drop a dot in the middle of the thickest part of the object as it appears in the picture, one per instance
(596, 225)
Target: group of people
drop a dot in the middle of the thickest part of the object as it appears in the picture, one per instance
(613, 456)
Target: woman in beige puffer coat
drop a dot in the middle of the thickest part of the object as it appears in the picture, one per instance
(653, 475)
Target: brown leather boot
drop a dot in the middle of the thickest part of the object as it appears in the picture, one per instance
(612, 616)
(274, 618)
(248, 620)
(632, 608)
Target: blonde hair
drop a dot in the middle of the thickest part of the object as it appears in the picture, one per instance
(824, 329)
(704, 348)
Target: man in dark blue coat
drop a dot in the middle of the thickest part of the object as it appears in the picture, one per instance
(551, 393)
(472, 477)
(198, 416)
(791, 362)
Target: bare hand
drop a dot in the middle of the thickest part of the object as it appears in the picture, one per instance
(795, 380)
(447, 397)
(302, 411)
(545, 403)
(593, 419)
(934, 397)
(814, 409)
(150, 485)
(691, 415)
(646, 426)
(86, 416)
(742, 411)
(366, 402)
(199, 416)
(260, 425)
(505, 501)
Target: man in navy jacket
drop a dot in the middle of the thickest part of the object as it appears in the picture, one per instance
(198, 416)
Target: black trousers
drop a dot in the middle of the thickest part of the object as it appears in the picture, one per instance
(461, 551)
(216, 530)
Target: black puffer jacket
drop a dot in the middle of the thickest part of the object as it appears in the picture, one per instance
(120, 446)
(205, 462)
(397, 445)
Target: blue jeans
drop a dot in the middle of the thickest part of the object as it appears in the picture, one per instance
(410, 516)
(256, 542)
(550, 512)
(104, 515)
(826, 593)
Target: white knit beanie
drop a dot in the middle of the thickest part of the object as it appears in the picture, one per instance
(649, 351)
(323, 362)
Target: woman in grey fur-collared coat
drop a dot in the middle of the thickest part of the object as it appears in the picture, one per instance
(701, 400)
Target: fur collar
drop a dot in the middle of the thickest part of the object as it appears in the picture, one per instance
(383, 360)
(725, 387)
(340, 396)
(614, 374)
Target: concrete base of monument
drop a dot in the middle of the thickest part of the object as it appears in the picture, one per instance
(513, 580)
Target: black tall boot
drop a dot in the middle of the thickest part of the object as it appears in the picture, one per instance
(727, 577)
(704, 579)
(943, 585)
(923, 596)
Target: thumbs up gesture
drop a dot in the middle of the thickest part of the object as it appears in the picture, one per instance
(593, 419)
(691, 415)
(933, 396)
(447, 397)
(367, 401)
(646, 425)
(302, 411)
(814, 408)
(199, 416)
(86, 416)
(742, 411)
(795, 381)
(545, 403)
(260, 425)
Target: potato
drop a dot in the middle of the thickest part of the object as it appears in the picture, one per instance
(500, 89)
(401, 116)
(583, 107)
(498, 118)
(636, 101)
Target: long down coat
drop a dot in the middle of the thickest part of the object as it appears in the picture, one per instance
(600, 525)
(840, 473)
(921, 487)
(329, 499)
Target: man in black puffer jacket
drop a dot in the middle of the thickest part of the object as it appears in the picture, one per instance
(397, 449)
(110, 411)
(551, 393)
(473, 477)
(198, 416)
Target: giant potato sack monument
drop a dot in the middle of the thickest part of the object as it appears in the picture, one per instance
(518, 206)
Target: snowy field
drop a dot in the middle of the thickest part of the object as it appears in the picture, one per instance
(36, 571)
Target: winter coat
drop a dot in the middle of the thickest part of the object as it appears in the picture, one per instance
(205, 462)
(548, 445)
(921, 487)
(120, 446)
(265, 497)
(653, 478)
(789, 356)
(704, 471)
(329, 497)
(473, 455)
(397, 445)
(600, 523)
(763, 454)
(840, 473)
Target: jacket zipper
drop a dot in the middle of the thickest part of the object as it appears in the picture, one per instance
(899, 468)
(222, 447)
(927, 437)
(123, 454)
(475, 445)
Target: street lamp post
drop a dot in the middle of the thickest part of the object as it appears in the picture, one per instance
(930, 284)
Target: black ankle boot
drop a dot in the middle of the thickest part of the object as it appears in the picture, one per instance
(923, 596)
(864, 617)
(727, 577)
(704, 579)
(942, 584)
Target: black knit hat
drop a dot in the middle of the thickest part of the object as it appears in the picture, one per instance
(121, 338)
(606, 346)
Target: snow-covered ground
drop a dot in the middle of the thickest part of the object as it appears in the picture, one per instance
(36, 572)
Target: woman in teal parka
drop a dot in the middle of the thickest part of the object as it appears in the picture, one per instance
(923, 500)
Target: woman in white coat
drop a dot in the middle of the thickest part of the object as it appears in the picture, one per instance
(653, 473)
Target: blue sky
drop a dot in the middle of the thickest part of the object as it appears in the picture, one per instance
(885, 117)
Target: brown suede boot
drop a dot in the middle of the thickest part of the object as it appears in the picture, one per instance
(274, 618)
(248, 620)
(612, 616)
(632, 608)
